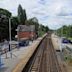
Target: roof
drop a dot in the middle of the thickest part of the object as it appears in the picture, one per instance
(26, 28)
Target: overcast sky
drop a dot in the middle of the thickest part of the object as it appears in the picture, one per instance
(53, 13)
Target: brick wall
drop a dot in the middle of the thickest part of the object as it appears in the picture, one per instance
(26, 34)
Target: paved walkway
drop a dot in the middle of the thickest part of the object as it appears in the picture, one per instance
(56, 43)
(18, 55)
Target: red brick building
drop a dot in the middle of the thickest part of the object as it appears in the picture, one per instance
(26, 32)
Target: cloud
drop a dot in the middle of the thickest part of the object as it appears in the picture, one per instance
(66, 10)
(43, 2)
(53, 13)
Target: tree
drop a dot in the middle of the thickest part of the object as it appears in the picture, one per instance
(32, 22)
(46, 28)
(65, 31)
(4, 13)
(21, 15)
(69, 31)
(14, 24)
(39, 28)
(24, 15)
(4, 23)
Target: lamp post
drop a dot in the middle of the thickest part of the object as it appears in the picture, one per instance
(10, 36)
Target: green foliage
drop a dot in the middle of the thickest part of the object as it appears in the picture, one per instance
(24, 15)
(41, 33)
(31, 22)
(65, 31)
(4, 23)
(68, 59)
(14, 24)
(5, 12)
(40, 29)
(21, 15)
(15, 21)
(46, 29)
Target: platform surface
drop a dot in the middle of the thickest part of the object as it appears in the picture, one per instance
(18, 56)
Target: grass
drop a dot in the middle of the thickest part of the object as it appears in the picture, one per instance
(70, 62)
(70, 38)
(68, 59)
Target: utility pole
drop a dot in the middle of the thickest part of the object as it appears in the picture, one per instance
(10, 37)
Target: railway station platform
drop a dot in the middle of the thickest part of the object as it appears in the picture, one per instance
(19, 57)
(57, 45)
(55, 41)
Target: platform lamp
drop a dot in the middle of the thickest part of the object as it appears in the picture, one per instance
(10, 36)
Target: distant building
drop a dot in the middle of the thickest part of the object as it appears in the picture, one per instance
(26, 32)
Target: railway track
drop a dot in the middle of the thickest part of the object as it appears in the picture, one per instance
(45, 59)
